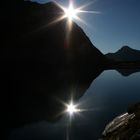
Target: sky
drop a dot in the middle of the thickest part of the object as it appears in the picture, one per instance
(118, 23)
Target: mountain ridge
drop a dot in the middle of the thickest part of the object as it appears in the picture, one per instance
(125, 54)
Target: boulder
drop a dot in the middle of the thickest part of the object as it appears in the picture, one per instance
(124, 127)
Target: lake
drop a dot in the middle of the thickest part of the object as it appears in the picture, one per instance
(107, 97)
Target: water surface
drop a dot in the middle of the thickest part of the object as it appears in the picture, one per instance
(108, 96)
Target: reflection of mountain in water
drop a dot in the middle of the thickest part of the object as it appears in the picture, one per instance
(127, 72)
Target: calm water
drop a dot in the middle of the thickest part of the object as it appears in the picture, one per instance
(108, 96)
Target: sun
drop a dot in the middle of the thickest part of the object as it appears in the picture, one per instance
(73, 13)
(71, 108)
(70, 12)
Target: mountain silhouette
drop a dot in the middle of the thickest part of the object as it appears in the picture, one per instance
(125, 54)
(127, 72)
(42, 62)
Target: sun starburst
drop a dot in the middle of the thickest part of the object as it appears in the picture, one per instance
(71, 108)
(70, 12)
(73, 13)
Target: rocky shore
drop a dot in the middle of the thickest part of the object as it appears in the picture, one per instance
(125, 126)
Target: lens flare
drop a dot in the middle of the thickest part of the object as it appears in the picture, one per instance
(70, 12)
(71, 109)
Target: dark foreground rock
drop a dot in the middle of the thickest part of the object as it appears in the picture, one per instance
(124, 127)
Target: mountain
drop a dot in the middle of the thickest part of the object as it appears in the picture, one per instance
(42, 62)
(125, 54)
(128, 72)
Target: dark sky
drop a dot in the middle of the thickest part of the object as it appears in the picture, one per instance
(117, 25)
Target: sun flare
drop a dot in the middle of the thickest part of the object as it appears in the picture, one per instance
(71, 108)
(70, 12)
(73, 13)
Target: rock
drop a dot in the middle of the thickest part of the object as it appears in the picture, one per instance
(136, 136)
(124, 127)
(135, 109)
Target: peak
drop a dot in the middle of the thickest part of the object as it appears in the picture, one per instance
(125, 47)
